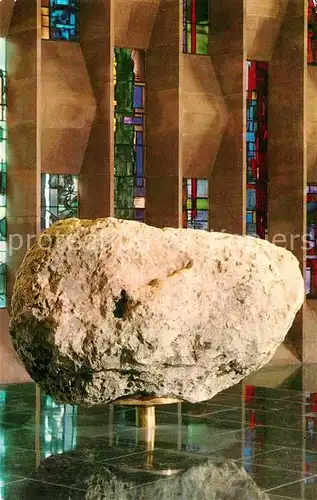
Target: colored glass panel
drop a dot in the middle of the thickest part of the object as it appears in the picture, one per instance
(195, 204)
(129, 128)
(3, 173)
(311, 249)
(60, 20)
(59, 198)
(195, 26)
(58, 427)
(257, 144)
(312, 32)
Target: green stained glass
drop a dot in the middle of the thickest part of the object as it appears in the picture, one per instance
(2, 284)
(202, 204)
(196, 204)
(202, 40)
(195, 27)
(3, 170)
(3, 229)
(129, 132)
(59, 198)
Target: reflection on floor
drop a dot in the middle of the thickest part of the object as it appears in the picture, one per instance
(254, 441)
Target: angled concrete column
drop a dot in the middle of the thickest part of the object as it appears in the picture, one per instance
(6, 9)
(203, 115)
(227, 181)
(24, 161)
(68, 107)
(96, 187)
(287, 145)
(163, 166)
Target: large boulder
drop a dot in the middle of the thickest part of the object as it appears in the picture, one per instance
(109, 308)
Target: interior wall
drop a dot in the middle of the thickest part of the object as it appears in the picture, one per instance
(287, 143)
(162, 129)
(262, 24)
(68, 107)
(96, 188)
(227, 181)
(203, 115)
(6, 9)
(134, 20)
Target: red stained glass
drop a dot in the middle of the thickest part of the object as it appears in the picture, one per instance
(193, 22)
(195, 204)
(257, 142)
(312, 32)
(195, 26)
(311, 243)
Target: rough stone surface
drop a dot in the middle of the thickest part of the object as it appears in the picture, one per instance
(208, 480)
(108, 308)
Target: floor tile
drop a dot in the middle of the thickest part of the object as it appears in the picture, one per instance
(289, 459)
(305, 489)
(61, 450)
(29, 489)
(268, 478)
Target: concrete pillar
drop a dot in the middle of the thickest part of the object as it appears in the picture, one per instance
(228, 177)
(24, 154)
(96, 188)
(163, 162)
(287, 142)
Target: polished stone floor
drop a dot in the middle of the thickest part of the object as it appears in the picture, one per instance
(254, 441)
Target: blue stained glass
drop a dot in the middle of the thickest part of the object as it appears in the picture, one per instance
(139, 182)
(133, 120)
(139, 161)
(139, 138)
(63, 21)
(249, 217)
(202, 215)
(139, 214)
(138, 96)
(202, 188)
(250, 137)
(139, 190)
(251, 199)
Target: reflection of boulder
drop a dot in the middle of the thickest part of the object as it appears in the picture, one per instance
(111, 308)
(206, 480)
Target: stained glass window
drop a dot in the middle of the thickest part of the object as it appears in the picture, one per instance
(257, 143)
(59, 198)
(195, 26)
(3, 173)
(312, 32)
(129, 134)
(59, 427)
(311, 258)
(60, 20)
(195, 204)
